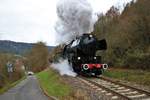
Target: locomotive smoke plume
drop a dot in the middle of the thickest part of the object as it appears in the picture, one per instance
(75, 17)
(64, 68)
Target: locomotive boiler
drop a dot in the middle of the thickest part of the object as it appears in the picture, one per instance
(81, 55)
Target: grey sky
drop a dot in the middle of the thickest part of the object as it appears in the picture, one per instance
(33, 20)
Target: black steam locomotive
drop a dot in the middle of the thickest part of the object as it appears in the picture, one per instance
(81, 55)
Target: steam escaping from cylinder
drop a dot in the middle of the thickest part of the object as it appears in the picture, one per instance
(63, 68)
(75, 17)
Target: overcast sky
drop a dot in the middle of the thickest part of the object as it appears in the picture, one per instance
(34, 20)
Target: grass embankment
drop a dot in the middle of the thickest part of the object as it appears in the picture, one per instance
(10, 85)
(136, 76)
(51, 83)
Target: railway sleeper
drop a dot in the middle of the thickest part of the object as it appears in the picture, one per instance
(108, 94)
(120, 88)
(124, 90)
(116, 88)
(114, 97)
(129, 93)
(137, 96)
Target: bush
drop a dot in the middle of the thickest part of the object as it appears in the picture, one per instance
(138, 60)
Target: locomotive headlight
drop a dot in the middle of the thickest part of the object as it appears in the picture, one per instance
(94, 57)
(91, 36)
(79, 58)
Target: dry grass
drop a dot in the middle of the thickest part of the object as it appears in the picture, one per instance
(135, 76)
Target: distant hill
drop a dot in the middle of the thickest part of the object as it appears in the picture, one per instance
(7, 46)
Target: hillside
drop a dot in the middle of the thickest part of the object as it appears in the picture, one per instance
(16, 47)
(127, 35)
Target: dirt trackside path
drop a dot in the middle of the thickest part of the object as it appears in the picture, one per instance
(28, 89)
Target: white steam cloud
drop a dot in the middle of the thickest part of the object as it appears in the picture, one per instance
(75, 17)
(63, 68)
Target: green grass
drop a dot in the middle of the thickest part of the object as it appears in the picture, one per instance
(136, 76)
(10, 85)
(52, 84)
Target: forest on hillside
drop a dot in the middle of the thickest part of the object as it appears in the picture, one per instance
(127, 35)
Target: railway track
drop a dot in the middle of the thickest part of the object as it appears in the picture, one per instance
(115, 90)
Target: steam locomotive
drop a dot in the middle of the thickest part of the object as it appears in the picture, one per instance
(81, 55)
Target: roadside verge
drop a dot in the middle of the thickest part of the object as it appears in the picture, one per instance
(52, 85)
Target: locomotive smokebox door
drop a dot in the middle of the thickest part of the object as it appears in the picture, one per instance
(101, 45)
